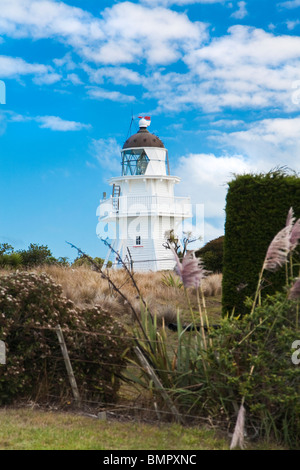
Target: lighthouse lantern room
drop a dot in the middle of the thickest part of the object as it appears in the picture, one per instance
(142, 207)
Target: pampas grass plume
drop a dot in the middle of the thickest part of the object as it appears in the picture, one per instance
(278, 250)
(294, 293)
(239, 430)
(190, 270)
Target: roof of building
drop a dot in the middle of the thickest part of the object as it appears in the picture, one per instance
(143, 138)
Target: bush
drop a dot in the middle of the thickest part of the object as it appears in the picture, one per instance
(243, 362)
(8, 257)
(246, 358)
(5, 248)
(212, 255)
(10, 260)
(36, 255)
(31, 306)
(83, 261)
(256, 210)
(262, 341)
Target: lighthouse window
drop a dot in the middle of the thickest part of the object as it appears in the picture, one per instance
(141, 164)
(138, 240)
(134, 162)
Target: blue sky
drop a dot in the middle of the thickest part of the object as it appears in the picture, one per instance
(220, 79)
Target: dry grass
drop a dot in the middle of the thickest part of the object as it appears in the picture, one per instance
(212, 285)
(86, 287)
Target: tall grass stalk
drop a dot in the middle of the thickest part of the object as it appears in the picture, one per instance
(201, 321)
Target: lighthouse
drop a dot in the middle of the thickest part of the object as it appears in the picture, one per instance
(142, 208)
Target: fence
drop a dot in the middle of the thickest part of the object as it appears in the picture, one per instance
(132, 403)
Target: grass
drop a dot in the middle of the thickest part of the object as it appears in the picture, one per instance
(24, 429)
(86, 287)
(27, 429)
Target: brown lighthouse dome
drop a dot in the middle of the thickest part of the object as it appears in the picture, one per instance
(143, 138)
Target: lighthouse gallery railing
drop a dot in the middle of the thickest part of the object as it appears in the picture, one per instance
(138, 205)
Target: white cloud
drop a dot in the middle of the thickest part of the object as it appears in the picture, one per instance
(290, 4)
(213, 230)
(47, 79)
(241, 12)
(107, 153)
(228, 123)
(135, 33)
(66, 62)
(292, 24)
(47, 18)
(167, 3)
(247, 68)
(55, 123)
(117, 75)
(250, 45)
(74, 79)
(102, 94)
(126, 32)
(15, 117)
(269, 143)
(204, 177)
(261, 147)
(14, 67)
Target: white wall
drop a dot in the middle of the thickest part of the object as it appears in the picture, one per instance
(151, 254)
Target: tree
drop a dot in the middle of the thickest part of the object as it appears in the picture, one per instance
(83, 261)
(212, 255)
(63, 261)
(173, 241)
(37, 255)
(5, 248)
(8, 257)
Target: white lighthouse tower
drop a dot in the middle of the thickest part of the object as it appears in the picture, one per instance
(143, 207)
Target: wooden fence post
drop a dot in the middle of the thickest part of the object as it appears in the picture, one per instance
(68, 364)
(158, 384)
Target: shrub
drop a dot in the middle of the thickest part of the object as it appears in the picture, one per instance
(256, 209)
(83, 261)
(271, 393)
(169, 280)
(36, 255)
(211, 382)
(10, 260)
(31, 306)
(243, 362)
(212, 255)
(8, 257)
(5, 248)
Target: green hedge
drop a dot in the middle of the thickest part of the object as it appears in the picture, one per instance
(256, 209)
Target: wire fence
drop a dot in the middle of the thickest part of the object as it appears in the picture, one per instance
(133, 401)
